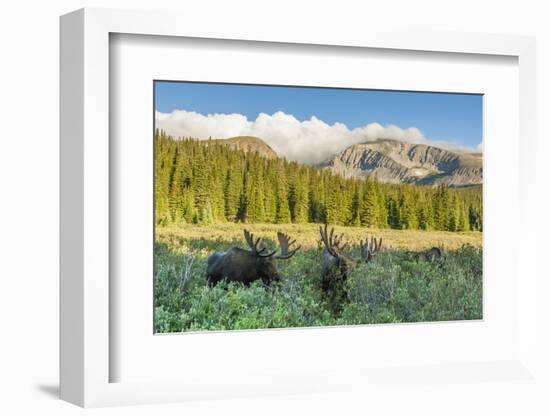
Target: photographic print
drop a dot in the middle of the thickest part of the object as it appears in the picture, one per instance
(296, 207)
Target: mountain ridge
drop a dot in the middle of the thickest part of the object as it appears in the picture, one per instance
(389, 160)
(246, 144)
(394, 161)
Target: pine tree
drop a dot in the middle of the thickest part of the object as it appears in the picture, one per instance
(232, 192)
(407, 208)
(205, 182)
(453, 214)
(282, 210)
(355, 218)
(333, 206)
(368, 211)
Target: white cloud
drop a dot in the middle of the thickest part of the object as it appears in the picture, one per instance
(308, 141)
(479, 147)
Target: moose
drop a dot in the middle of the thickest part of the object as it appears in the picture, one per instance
(335, 264)
(247, 266)
(433, 255)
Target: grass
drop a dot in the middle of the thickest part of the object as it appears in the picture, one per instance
(395, 287)
(308, 235)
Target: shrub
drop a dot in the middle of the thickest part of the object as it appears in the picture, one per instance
(395, 287)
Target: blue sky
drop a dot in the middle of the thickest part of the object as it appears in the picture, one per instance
(455, 118)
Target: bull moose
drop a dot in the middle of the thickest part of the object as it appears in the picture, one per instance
(335, 264)
(432, 255)
(247, 266)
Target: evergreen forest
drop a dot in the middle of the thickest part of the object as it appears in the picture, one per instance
(203, 182)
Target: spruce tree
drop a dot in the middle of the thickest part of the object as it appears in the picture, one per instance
(282, 214)
(207, 182)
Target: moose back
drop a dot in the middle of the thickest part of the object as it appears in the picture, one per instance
(247, 266)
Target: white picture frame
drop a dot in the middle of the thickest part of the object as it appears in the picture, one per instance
(86, 353)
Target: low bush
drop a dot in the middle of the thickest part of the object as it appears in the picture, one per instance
(395, 287)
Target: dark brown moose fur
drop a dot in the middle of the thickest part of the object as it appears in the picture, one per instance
(335, 264)
(247, 266)
(432, 255)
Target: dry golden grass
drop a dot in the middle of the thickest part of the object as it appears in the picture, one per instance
(308, 235)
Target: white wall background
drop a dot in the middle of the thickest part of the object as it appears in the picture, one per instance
(29, 206)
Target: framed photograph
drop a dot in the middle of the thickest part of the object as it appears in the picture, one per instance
(246, 176)
(280, 213)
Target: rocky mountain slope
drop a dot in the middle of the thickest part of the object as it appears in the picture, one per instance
(399, 162)
(247, 144)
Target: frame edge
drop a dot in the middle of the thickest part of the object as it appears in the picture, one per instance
(83, 356)
(71, 202)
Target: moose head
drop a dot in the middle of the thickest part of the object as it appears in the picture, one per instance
(433, 255)
(246, 266)
(335, 263)
(370, 249)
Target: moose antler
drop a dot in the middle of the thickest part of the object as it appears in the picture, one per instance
(333, 245)
(332, 242)
(263, 252)
(285, 244)
(369, 249)
(249, 237)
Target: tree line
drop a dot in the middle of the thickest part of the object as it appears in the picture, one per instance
(205, 182)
